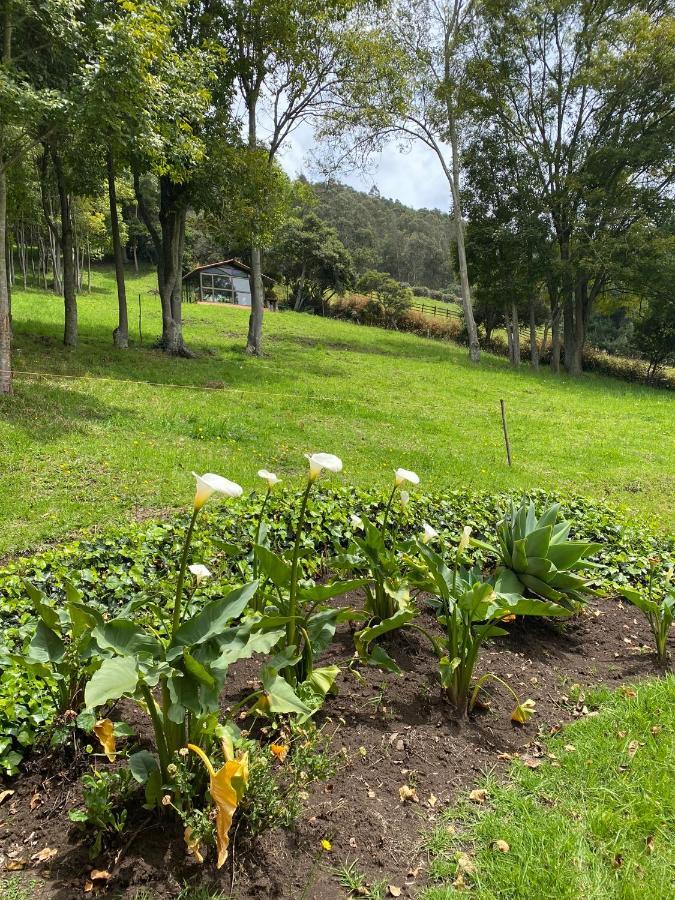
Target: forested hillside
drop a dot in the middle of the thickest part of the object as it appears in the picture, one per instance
(412, 245)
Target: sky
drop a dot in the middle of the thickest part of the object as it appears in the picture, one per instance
(413, 175)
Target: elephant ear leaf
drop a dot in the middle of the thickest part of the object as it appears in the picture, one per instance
(115, 678)
(46, 646)
(280, 695)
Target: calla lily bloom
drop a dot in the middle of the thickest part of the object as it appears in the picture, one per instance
(209, 484)
(428, 533)
(402, 475)
(320, 461)
(200, 571)
(269, 477)
(356, 521)
(404, 497)
(465, 538)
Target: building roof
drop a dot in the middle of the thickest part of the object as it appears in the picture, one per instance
(235, 263)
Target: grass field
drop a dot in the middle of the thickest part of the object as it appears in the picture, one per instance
(107, 435)
(594, 820)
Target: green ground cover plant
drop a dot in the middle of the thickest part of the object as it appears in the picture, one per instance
(594, 819)
(96, 445)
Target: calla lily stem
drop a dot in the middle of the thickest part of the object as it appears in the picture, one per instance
(293, 591)
(181, 573)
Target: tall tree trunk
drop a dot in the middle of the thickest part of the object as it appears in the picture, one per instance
(568, 302)
(67, 246)
(5, 323)
(465, 290)
(300, 296)
(5, 320)
(534, 349)
(121, 333)
(515, 325)
(255, 322)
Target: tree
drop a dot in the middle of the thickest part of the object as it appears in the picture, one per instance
(411, 86)
(288, 56)
(389, 298)
(585, 91)
(313, 261)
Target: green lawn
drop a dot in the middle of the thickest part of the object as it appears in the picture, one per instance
(595, 820)
(98, 447)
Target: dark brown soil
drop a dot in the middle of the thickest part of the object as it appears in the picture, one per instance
(389, 731)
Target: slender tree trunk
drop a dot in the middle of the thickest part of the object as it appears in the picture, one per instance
(515, 325)
(5, 321)
(465, 290)
(5, 324)
(299, 297)
(255, 322)
(568, 301)
(67, 247)
(534, 349)
(121, 333)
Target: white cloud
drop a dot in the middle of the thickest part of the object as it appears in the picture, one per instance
(412, 175)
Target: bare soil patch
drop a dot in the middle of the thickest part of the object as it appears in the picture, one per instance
(389, 732)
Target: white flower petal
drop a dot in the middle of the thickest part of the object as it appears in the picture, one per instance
(402, 475)
(356, 521)
(428, 533)
(404, 496)
(320, 461)
(200, 571)
(269, 477)
(209, 484)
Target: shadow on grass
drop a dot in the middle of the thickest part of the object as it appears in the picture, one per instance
(45, 412)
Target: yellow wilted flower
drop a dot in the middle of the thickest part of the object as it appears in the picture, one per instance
(523, 712)
(280, 751)
(327, 846)
(104, 731)
(227, 787)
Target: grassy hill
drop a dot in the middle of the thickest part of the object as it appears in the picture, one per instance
(105, 435)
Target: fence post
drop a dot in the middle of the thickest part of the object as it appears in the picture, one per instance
(506, 433)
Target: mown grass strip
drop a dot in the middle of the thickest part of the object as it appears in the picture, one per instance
(595, 820)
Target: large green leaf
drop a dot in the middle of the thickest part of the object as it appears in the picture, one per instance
(46, 646)
(115, 678)
(142, 765)
(540, 587)
(126, 638)
(549, 516)
(322, 680)
(282, 698)
(527, 606)
(537, 541)
(507, 582)
(541, 568)
(211, 620)
(273, 566)
(378, 657)
(197, 670)
(567, 554)
(368, 635)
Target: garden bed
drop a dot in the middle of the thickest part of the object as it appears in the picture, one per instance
(386, 732)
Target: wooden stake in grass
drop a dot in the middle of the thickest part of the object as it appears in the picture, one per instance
(506, 433)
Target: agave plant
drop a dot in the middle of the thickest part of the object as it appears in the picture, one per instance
(536, 556)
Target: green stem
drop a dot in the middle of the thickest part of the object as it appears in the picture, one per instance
(257, 531)
(160, 739)
(181, 574)
(293, 590)
(481, 681)
(387, 511)
(237, 706)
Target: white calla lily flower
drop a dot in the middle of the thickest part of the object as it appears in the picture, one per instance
(320, 461)
(428, 533)
(465, 538)
(209, 484)
(402, 475)
(405, 498)
(200, 571)
(356, 522)
(269, 477)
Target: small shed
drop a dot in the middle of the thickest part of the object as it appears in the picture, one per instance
(228, 281)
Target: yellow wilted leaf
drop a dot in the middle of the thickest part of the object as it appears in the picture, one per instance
(479, 795)
(104, 731)
(194, 847)
(523, 712)
(227, 787)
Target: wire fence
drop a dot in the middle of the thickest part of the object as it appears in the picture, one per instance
(443, 311)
